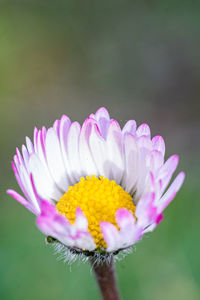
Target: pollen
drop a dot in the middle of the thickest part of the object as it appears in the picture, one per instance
(99, 198)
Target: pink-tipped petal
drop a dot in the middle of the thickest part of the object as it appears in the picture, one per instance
(159, 219)
(19, 157)
(171, 192)
(75, 171)
(23, 178)
(44, 184)
(155, 160)
(22, 201)
(29, 145)
(103, 119)
(166, 171)
(35, 138)
(143, 130)
(81, 222)
(159, 144)
(153, 225)
(111, 236)
(129, 127)
(64, 128)
(146, 212)
(128, 234)
(124, 218)
(86, 158)
(25, 155)
(115, 151)
(51, 223)
(98, 149)
(55, 160)
(131, 163)
(129, 231)
(56, 126)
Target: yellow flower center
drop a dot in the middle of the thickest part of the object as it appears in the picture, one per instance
(99, 199)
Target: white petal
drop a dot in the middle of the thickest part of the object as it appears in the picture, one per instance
(171, 192)
(115, 152)
(99, 151)
(129, 127)
(129, 231)
(111, 236)
(131, 162)
(65, 124)
(25, 155)
(86, 159)
(154, 160)
(159, 144)
(29, 145)
(143, 130)
(73, 151)
(55, 161)
(26, 181)
(103, 119)
(166, 171)
(45, 186)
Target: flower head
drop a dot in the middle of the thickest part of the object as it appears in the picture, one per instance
(95, 188)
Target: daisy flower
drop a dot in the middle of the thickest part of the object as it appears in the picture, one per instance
(95, 189)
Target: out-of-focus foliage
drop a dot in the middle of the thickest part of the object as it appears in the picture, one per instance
(141, 60)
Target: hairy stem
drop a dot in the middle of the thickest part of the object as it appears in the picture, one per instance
(105, 276)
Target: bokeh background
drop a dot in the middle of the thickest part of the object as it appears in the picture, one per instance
(141, 60)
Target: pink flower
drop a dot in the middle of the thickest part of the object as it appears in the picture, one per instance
(122, 195)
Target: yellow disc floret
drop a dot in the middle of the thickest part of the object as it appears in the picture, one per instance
(99, 199)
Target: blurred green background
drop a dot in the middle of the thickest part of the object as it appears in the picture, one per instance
(141, 60)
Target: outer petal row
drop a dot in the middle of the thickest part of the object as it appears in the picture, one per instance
(128, 234)
(76, 235)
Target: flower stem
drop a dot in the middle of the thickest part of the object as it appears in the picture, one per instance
(105, 276)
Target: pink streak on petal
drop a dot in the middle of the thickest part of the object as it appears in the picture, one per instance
(103, 119)
(47, 209)
(124, 218)
(22, 201)
(39, 199)
(171, 192)
(146, 211)
(130, 233)
(19, 181)
(42, 141)
(56, 126)
(166, 171)
(159, 219)
(18, 197)
(50, 222)
(35, 138)
(16, 160)
(29, 145)
(87, 127)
